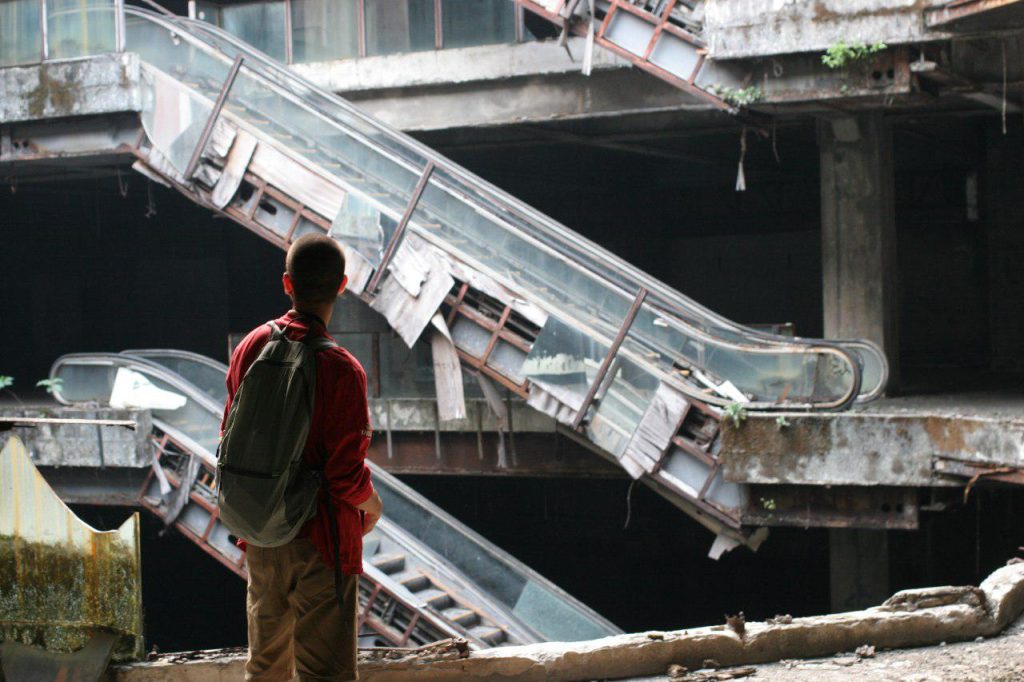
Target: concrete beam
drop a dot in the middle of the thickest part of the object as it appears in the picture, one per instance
(455, 66)
(86, 445)
(736, 29)
(865, 449)
(549, 97)
(103, 84)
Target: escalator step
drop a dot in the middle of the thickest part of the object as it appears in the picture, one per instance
(389, 563)
(414, 581)
(489, 634)
(464, 617)
(436, 598)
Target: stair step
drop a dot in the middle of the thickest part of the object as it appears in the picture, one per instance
(414, 581)
(436, 598)
(489, 634)
(389, 563)
(464, 617)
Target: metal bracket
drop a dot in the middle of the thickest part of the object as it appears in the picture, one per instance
(222, 97)
(609, 358)
(396, 238)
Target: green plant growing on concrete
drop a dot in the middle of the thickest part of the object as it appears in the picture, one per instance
(768, 503)
(51, 385)
(737, 413)
(843, 54)
(5, 385)
(737, 98)
(781, 422)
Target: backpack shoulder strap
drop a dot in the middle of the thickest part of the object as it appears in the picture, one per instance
(275, 331)
(318, 343)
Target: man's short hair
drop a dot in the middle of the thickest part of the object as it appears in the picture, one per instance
(316, 265)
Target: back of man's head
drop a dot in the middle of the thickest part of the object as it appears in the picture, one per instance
(316, 267)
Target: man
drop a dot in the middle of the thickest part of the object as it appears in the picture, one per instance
(295, 620)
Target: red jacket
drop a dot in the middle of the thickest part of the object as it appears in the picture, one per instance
(338, 436)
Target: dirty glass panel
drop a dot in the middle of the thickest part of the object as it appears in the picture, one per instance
(565, 360)
(361, 225)
(324, 29)
(21, 36)
(760, 375)
(455, 546)
(444, 212)
(380, 180)
(622, 405)
(531, 600)
(554, 618)
(394, 26)
(76, 28)
(477, 22)
(261, 24)
(208, 379)
(81, 382)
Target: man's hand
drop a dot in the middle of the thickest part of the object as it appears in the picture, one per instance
(371, 511)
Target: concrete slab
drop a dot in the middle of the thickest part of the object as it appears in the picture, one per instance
(892, 442)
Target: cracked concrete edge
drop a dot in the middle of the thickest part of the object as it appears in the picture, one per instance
(961, 614)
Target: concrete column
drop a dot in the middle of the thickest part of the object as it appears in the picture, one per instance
(858, 568)
(858, 231)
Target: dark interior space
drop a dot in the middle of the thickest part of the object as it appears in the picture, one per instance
(85, 269)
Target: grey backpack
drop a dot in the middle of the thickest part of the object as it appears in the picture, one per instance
(266, 490)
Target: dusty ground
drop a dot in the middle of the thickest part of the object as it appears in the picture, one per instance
(998, 659)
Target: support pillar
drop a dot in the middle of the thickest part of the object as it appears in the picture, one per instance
(858, 568)
(858, 231)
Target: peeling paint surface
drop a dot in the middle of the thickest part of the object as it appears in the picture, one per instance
(61, 581)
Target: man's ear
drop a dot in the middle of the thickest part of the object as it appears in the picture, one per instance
(286, 282)
(344, 283)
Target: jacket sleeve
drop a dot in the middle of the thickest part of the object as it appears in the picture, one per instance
(346, 437)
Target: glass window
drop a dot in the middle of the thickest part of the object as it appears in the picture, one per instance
(477, 22)
(260, 24)
(76, 28)
(324, 29)
(394, 26)
(21, 37)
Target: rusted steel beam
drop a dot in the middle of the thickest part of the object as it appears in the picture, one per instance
(222, 97)
(606, 364)
(470, 454)
(396, 238)
(832, 507)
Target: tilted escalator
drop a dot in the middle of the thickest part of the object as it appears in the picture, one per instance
(626, 364)
(427, 576)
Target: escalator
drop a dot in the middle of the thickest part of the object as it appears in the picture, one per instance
(628, 366)
(427, 577)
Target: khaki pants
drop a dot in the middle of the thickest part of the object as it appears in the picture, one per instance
(294, 618)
